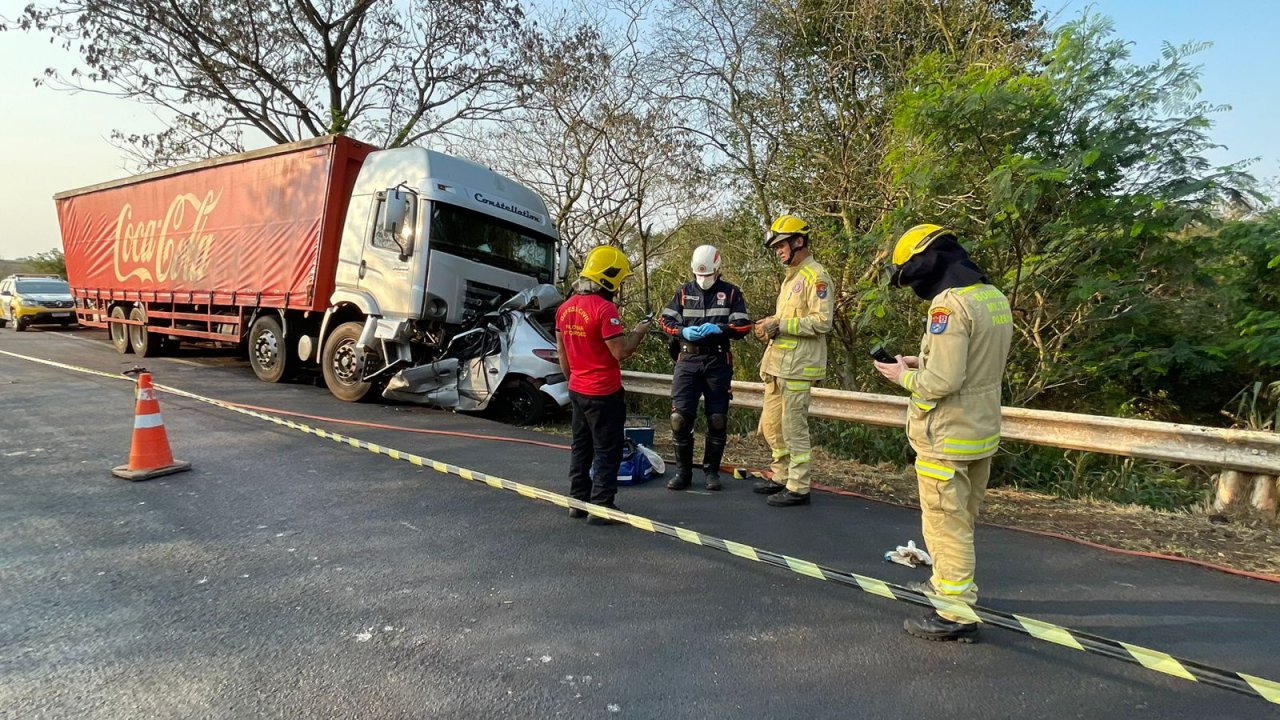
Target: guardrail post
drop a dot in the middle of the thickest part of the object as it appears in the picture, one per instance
(1245, 491)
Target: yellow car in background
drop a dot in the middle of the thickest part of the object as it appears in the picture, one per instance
(27, 300)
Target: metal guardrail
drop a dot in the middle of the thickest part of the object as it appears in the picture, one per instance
(1243, 450)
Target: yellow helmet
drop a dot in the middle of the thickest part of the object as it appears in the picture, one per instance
(607, 266)
(912, 243)
(785, 227)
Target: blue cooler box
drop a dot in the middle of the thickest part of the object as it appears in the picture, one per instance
(639, 430)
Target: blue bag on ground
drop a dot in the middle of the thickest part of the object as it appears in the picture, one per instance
(635, 467)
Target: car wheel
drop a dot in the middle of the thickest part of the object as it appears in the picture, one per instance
(119, 331)
(21, 325)
(342, 366)
(520, 403)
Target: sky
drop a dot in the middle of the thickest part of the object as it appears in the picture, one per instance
(55, 141)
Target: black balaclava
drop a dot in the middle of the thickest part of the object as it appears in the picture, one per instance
(942, 266)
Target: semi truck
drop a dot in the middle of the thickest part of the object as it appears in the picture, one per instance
(329, 252)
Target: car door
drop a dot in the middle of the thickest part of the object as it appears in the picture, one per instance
(6, 298)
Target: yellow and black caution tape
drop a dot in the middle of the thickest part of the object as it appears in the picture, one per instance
(1244, 683)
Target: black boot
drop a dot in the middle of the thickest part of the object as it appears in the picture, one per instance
(788, 498)
(684, 464)
(935, 627)
(711, 457)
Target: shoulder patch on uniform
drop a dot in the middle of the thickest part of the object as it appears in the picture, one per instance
(938, 318)
(821, 290)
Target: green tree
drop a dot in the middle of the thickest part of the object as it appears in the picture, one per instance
(50, 262)
(795, 100)
(1081, 183)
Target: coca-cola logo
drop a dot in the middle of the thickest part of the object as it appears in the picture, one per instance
(175, 247)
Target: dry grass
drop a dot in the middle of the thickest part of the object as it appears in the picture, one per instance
(1250, 544)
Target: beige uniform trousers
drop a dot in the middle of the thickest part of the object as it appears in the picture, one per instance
(784, 422)
(951, 493)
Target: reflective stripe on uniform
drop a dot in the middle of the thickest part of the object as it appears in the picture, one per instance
(800, 459)
(970, 447)
(933, 470)
(668, 312)
(793, 326)
(798, 385)
(693, 312)
(779, 453)
(925, 405)
(969, 289)
(954, 588)
(784, 344)
(908, 380)
(717, 312)
(809, 274)
(739, 317)
(813, 372)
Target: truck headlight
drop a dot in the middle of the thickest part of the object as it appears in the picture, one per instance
(437, 308)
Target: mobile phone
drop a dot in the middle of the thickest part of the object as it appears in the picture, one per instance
(881, 355)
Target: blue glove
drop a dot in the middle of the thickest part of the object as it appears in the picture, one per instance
(692, 333)
(710, 329)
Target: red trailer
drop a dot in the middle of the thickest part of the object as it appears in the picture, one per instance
(198, 251)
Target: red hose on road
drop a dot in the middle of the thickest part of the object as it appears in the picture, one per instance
(824, 488)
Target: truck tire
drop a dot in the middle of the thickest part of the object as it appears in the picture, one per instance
(119, 332)
(342, 372)
(270, 355)
(145, 343)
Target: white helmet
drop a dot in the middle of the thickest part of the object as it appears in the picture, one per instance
(705, 265)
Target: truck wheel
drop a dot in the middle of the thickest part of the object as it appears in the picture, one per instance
(119, 332)
(338, 361)
(269, 353)
(145, 344)
(520, 403)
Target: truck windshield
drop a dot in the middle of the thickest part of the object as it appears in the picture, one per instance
(485, 239)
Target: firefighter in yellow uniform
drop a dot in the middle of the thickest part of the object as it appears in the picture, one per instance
(953, 419)
(795, 359)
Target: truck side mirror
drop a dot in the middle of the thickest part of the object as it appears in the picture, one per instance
(397, 219)
(562, 262)
(395, 211)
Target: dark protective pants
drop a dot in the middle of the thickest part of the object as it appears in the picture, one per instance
(695, 377)
(597, 446)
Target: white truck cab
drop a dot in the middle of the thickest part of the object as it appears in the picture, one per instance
(430, 244)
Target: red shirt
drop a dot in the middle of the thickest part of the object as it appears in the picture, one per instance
(584, 323)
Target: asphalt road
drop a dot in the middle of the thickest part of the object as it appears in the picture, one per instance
(288, 576)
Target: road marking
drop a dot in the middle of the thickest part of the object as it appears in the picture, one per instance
(1155, 660)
